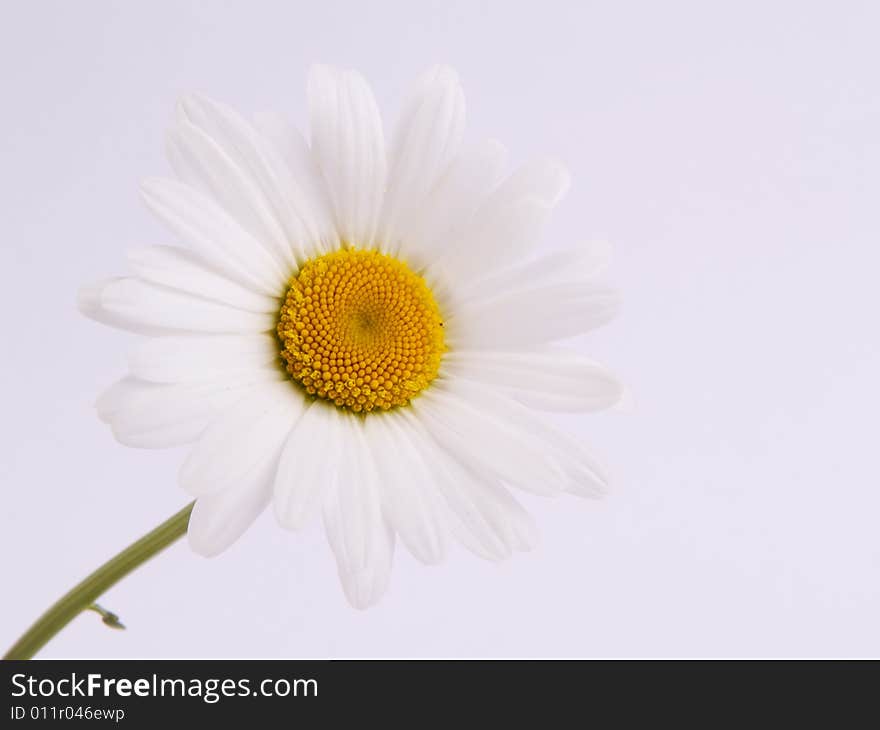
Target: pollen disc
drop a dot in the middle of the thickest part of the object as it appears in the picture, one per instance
(360, 329)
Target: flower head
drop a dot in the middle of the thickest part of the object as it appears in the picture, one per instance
(363, 330)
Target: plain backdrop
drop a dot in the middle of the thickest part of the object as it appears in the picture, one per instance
(729, 150)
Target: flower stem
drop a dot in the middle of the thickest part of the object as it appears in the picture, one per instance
(83, 596)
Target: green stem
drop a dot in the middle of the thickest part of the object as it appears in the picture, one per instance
(83, 596)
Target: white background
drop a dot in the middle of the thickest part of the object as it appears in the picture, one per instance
(730, 151)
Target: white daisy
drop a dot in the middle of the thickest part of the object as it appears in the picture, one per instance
(358, 330)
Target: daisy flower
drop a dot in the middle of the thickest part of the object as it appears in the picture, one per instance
(360, 331)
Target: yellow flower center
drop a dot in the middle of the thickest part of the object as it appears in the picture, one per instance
(361, 329)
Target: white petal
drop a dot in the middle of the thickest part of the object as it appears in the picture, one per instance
(551, 380)
(426, 140)
(218, 520)
(522, 532)
(144, 304)
(180, 269)
(497, 236)
(453, 200)
(205, 163)
(88, 301)
(287, 144)
(582, 475)
(191, 358)
(407, 487)
(288, 195)
(509, 224)
(348, 142)
(215, 235)
(360, 538)
(482, 439)
(626, 402)
(474, 515)
(309, 464)
(156, 416)
(571, 266)
(543, 178)
(531, 316)
(242, 438)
